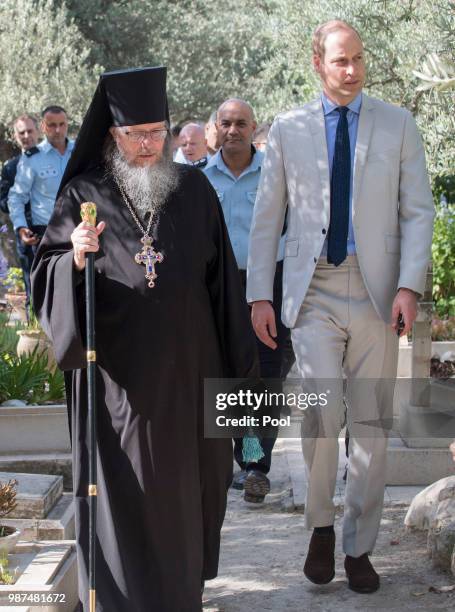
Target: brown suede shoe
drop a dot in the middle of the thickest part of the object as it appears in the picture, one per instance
(361, 575)
(320, 561)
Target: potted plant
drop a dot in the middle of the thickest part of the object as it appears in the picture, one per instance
(8, 535)
(33, 416)
(15, 295)
(28, 378)
(32, 339)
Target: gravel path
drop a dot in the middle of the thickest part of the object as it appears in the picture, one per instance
(263, 552)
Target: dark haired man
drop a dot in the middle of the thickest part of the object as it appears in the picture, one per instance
(234, 172)
(38, 177)
(26, 135)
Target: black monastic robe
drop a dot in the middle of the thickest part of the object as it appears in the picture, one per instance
(161, 486)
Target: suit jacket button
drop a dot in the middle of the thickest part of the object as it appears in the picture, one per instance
(315, 259)
(324, 231)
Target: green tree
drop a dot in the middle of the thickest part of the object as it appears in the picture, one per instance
(212, 50)
(43, 60)
(119, 31)
(398, 36)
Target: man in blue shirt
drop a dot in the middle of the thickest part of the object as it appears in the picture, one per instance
(26, 135)
(234, 172)
(38, 177)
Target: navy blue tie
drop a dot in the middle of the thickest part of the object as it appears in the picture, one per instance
(339, 192)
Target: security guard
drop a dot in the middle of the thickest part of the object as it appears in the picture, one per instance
(26, 135)
(38, 177)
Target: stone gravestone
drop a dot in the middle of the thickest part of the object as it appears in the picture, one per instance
(43, 511)
(427, 420)
(420, 454)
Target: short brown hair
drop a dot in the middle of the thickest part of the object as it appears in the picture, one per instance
(55, 109)
(24, 117)
(323, 30)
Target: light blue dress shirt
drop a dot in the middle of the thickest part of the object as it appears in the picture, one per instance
(237, 196)
(331, 117)
(37, 181)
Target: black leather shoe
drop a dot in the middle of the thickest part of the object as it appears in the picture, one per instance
(238, 480)
(362, 577)
(320, 561)
(256, 486)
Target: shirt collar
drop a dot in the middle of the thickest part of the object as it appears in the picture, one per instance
(328, 106)
(46, 146)
(218, 161)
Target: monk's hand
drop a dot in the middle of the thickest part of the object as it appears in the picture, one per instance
(404, 304)
(264, 324)
(85, 240)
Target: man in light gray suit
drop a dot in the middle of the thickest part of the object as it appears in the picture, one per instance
(350, 171)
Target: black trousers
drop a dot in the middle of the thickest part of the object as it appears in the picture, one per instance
(271, 365)
(25, 258)
(25, 255)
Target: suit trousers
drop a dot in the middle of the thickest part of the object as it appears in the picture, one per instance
(342, 346)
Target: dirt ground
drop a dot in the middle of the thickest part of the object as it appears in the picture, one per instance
(264, 549)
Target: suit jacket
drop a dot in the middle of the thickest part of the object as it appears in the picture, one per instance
(392, 205)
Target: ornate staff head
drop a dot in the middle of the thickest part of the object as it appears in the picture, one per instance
(88, 213)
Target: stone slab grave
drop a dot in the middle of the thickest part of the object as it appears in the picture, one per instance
(35, 440)
(56, 464)
(45, 578)
(43, 511)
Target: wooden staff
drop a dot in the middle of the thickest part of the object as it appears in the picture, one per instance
(88, 214)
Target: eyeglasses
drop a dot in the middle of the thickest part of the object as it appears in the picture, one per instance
(140, 136)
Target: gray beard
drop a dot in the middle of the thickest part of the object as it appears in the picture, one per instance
(147, 188)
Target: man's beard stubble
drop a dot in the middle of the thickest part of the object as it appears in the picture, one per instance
(146, 187)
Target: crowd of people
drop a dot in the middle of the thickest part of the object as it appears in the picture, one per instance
(318, 231)
(30, 180)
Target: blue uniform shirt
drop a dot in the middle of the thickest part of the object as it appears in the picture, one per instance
(37, 180)
(237, 196)
(331, 117)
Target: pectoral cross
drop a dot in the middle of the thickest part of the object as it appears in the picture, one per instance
(149, 257)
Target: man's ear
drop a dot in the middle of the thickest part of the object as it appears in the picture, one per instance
(317, 63)
(113, 133)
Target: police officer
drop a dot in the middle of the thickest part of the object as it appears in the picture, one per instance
(234, 172)
(38, 177)
(26, 135)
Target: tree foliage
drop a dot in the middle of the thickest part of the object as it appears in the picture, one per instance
(398, 37)
(43, 60)
(443, 251)
(212, 49)
(53, 51)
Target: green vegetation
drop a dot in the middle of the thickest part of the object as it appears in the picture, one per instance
(14, 281)
(260, 51)
(215, 50)
(8, 493)
(8, 334)
(444, 261)
(28, 377)
(5, 575)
